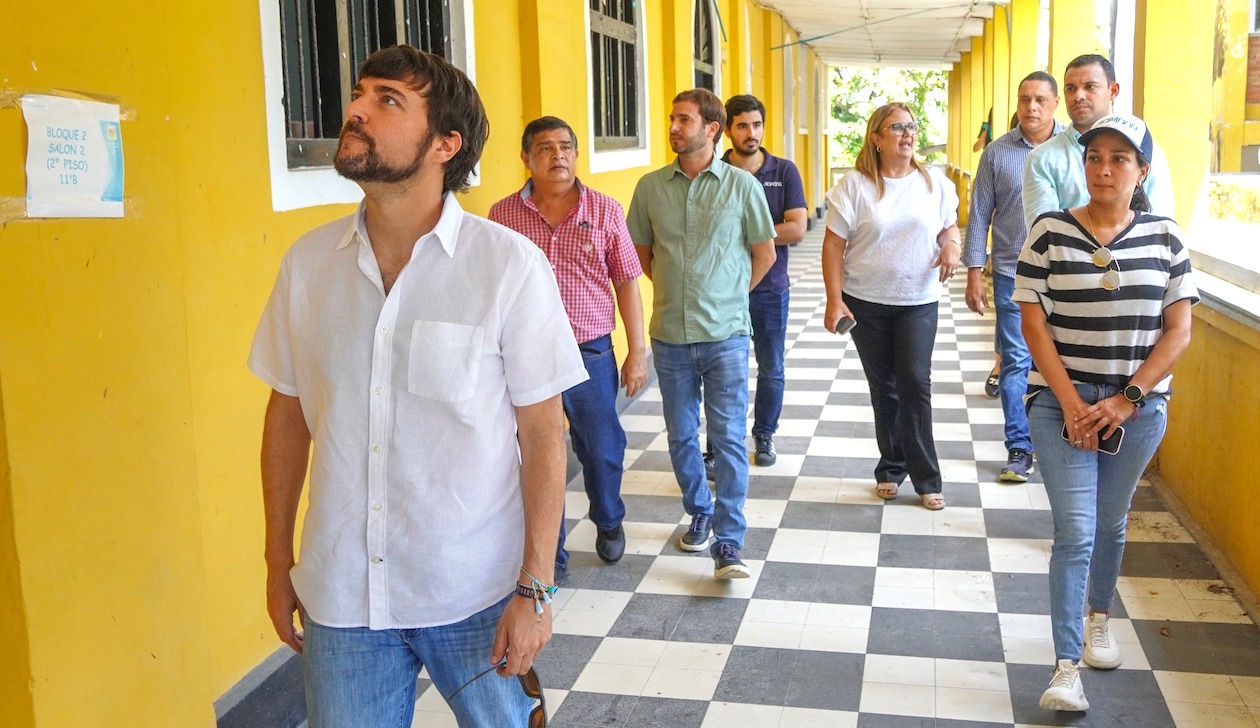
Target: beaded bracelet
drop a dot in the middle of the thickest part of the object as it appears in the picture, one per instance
(536, 590)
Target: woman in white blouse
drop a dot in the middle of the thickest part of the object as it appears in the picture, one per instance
(891, 242)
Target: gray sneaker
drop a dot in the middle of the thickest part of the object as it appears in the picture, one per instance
(1019, 465)
(726, 562)
(697, 536)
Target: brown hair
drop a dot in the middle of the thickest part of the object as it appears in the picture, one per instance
(711, 108)
(452, 101)
(868, 159)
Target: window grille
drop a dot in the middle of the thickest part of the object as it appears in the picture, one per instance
(323, 43)
(703, 56)
(615, 74)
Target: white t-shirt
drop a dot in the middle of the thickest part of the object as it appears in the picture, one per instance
(892, 241)
(415, 516)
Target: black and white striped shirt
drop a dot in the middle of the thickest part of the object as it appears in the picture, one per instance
(1103, 336)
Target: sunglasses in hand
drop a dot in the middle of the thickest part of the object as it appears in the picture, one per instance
(529, 683)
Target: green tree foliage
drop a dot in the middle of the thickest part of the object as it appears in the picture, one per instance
(857, 92)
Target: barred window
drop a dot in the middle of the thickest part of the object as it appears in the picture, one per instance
(616, 74)
(703, 55)
(323, 43)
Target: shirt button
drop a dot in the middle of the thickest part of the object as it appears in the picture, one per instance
(377, 559)
(384, 329)
(376, 449)
(380, 390)
(376, 506)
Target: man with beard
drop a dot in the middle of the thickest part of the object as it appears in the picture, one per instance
(583, 233)
(705, 238)
(1054, 174)
(768, 301)
(418, 348)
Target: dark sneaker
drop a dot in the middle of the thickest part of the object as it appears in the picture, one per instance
(726, 563)
(1019, 465)
(710, 466)
(610, 544)
(561, 575)
(765, 454)
(696, 537)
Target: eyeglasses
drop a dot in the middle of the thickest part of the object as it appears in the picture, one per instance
(531, 686)
(908, 127)
(1103, 259)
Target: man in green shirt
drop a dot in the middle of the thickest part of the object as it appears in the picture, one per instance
(704, 236)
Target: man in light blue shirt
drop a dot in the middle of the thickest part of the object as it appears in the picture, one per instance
(996, 199)
(1054, 175)
(704, 236)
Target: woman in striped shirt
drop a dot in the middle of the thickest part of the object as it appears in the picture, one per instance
(1105, 295)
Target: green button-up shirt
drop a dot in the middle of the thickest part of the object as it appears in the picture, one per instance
(700, 231)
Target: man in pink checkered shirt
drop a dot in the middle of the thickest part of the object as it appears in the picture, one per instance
(583, 233)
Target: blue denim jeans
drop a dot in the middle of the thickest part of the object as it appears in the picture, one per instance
(769, 311)
(598, 438)
(363, 678)
(721, 369)
(895, 345)
(1016, 361)
(1089, 494)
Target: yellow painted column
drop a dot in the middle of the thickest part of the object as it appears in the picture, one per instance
(1003, 83)
(1071, 32)
(17, 707)
(953, 141)
(1178, 121)
(989, 85)
(1230, 87)
(1023, 40)
(979, 112)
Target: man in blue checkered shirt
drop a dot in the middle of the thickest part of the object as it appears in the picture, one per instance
(996, 202)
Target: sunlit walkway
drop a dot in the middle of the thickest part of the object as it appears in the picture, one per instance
(874, 614)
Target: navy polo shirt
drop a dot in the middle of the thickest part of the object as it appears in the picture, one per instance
(781, 182)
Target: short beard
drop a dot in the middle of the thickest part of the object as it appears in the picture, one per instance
(739, 149)
(368, 166)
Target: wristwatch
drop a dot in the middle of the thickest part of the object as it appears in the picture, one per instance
(1134, 394)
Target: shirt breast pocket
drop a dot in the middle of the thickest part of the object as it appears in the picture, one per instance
(444, 360)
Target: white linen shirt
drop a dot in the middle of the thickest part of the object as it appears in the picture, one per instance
(415, 515)
(892, 239)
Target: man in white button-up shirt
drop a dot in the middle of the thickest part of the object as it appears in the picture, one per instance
(422, 351)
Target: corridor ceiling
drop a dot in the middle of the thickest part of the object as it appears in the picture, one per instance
(894, 33)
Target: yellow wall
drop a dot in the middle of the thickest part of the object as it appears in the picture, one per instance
(15, 669)
(1071, 34)
(130, 518)
(1209, 456)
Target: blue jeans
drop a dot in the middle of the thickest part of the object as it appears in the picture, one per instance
(1090, 494)
(895, 344)
(1016, 361)
(362, 678)
(721, 368)
(769, 311)
(598, 438)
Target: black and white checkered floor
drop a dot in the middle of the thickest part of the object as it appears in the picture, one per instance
(872, 614)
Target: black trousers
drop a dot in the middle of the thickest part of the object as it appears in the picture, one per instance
(895, 344)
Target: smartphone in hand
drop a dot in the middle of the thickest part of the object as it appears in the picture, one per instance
(845, 325)
(1109, 444)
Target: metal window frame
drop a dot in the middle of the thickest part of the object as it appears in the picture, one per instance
(358, 33)
(617, 75)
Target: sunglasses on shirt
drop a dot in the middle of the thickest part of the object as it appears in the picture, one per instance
(529, 683)
(1103, 259)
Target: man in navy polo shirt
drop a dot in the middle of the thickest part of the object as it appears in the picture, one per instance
(768, 302)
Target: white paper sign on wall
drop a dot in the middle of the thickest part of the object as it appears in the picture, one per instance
(74, 158)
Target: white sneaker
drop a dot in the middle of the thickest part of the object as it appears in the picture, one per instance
(1065, 691)
(1101, 651)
